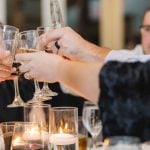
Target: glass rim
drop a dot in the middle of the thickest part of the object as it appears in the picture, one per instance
(37, 105)
(44, 27)
(63, 108)
(13, 27)
(27, 32)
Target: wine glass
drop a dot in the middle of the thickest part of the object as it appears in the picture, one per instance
(8, 32)
(122, 143)
(91, 120)
(45, 90)
(28, 44)
(28, 135)
(10, 45)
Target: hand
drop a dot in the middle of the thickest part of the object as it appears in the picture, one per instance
(42, 66)
(6, 66)
(71, 45)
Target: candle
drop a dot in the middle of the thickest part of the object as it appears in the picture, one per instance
(32, 134)
(63, 139)
(18, 141)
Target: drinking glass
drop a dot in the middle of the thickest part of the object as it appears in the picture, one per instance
(56, 14)
(7, 130)
(8, 41)
(122, 143)
(63, 128)
(8, 32)
(28, 44)
(45, 90)
(38, 113)
(27, 135)
(91, 120)
(83, 135)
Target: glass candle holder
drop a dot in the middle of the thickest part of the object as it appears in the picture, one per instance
(7, 129)
(38, 113)
(64, 128)
(28, 135)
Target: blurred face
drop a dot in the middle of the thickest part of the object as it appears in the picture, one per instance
(145, 33)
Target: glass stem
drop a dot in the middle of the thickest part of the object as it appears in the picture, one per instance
(45, 85)
(94, 142)
(16, 86)
(37, 87)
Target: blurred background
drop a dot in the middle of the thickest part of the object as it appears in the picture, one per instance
(109, 23)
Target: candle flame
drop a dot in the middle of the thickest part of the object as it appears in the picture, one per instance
(66, 126)
(17, 141)
(60, 130)
(63, 130)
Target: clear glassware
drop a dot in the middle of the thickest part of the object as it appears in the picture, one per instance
(28, 135)
(28, 42)
(56, 14)
(63, 128)
(91, 121)
(8, 40)
(7, 129)
(38, 113)
(122, 143)
(45, 90)
(10, 45)
(8, 32)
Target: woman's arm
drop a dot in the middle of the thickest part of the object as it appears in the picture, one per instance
(82, 77)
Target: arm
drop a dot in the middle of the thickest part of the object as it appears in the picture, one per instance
(82, 77)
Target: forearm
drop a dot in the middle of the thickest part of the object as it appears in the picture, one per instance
(97, 52)
(81, 77)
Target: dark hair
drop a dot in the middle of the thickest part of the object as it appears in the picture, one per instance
(125, 99)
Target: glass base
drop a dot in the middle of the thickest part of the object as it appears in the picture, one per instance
(37, 99)
(18, 102)
(48, 92)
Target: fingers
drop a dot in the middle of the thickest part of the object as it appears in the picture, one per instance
(52, 35)
(5, 68)
(29, 75)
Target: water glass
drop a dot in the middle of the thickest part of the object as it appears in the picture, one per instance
(64, 128)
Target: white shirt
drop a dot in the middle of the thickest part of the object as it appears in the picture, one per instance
(125, 55)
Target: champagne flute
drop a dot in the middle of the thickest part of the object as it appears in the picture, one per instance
(28, 44)
(91, 120)
(8, 39)
(10, 45)
(45, 90)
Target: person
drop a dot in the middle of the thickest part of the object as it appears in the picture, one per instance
(124, 102)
